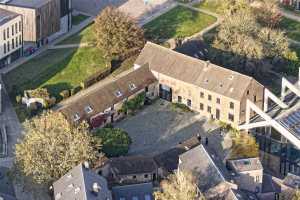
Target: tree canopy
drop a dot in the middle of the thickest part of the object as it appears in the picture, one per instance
(243, 146)
(178, 186)
(115, 141)
(51, 147)
(117, 34)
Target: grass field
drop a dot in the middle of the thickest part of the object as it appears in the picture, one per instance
(56, 70)
(78, 19)
(86, 35)
(210, 5)
(291, 27)
(178, 22)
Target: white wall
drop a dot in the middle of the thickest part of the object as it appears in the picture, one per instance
(16, 36)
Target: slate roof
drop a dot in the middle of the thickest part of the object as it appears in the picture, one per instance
(141, 191)
(194, 71)
(27, 3)
(6, 16)
(246, 164)
(101, 96)
(6, 187)
(199, 163)
(168, 160)
(78, 184)
(133, 165)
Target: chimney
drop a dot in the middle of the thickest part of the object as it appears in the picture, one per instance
(96, 187)
(86, 164)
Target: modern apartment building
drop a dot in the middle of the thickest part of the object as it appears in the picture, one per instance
(213, 91)
(44, 20)
(11, 37)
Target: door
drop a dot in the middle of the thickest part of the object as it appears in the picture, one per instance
(165, 92)
(217, 114)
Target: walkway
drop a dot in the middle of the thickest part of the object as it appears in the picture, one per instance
(290, 15)
(65, 46)
(23, 60)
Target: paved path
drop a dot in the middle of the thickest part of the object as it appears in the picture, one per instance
(23, 60)
(290, 14)
(66, 46)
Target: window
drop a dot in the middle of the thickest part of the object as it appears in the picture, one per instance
(4, 48)
(88, 109)
(179, 99)
(146, 175)
(218, 101)
(134, 177)
(118, 93)
(8, 46)
(254, 98)
(13, 43)
(20, 39)
(7, 32)
(201, 94)
(16, 27)
(132, 86)
(231, 117)
(4, 35)
(201, 106)
(209, 97)
(209, 109)
(231, 105)
(76, 117)
(257, 179)
(247, 92)
(20, 26)
(12, 30)
(189, 103)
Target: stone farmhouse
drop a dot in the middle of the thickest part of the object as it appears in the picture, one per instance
(211, 90)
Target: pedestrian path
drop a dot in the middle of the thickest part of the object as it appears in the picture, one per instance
(290, 15)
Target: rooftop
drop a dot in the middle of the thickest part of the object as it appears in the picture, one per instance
(25, 3)
(247, 164)
(194, 71)
(6, 16)
(141, 191)
(81, 183)
(133, 165)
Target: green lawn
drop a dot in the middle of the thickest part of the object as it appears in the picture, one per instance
(86, 35)
(291, 27)
(56, 70)
(78, 19)
(178, 22)
(210, 5)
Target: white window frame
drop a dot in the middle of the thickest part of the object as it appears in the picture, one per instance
(88, 109)
(132, 86)
(76, 117)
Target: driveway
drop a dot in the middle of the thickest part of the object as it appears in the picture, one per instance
(157, 128)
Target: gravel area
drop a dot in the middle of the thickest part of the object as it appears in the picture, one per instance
(158, 127)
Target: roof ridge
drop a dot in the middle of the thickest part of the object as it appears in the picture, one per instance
(197, 60)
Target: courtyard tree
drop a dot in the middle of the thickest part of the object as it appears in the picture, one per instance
(179, 186)
(243, 146)
(117, 34)
(115, 141)
(51, 147)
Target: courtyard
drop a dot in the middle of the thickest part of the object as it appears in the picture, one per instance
(159, 127)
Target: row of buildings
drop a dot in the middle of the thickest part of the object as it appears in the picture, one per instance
(32, 24)
(211, 90)
(293, 3)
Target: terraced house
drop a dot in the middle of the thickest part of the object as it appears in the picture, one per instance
(11, 37)
(211, 90)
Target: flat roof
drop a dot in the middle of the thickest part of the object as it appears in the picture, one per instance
(6, 16)
(25, 3)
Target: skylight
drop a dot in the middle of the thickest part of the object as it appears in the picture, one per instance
(132, 86)
(88, 109)
(76, 117)
(118, 93)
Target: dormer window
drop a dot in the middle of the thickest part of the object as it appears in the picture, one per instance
(132, 86)
(118, 93)
(88, 109)
(76, 117)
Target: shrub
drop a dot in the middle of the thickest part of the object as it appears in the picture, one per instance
(51, 101)
(38, 93)
(134, 104)
(115, 141)
(64, 94)
(18, 98)
(75, 90)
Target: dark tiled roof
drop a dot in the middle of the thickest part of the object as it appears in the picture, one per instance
(246, 164)
(194, 71)
(78, 184)
(102, 96)
(137, 190)
(133, 165)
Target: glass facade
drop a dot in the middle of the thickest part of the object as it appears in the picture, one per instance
(274, 145)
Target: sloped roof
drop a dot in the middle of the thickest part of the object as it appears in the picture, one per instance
(246, 164)
(6, 16)
(78, 184)
(194, 71)
(133, 165)
(102, 95)
(128, 192)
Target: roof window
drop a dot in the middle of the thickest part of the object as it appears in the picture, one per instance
(118, 93)
(88, 109)
(76, 117)
(132, 86)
